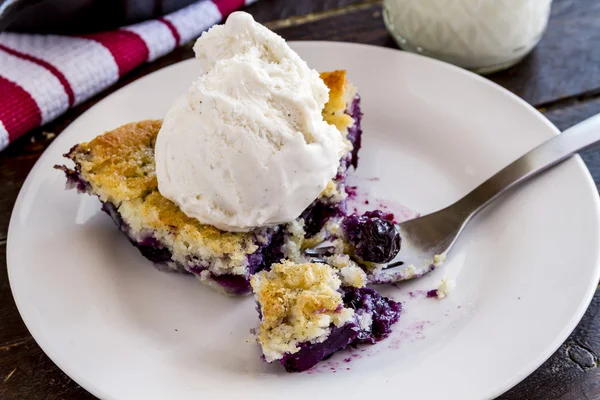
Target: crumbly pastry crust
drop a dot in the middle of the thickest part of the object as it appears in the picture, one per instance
(299, 303)
(350, 273)
(341, 93)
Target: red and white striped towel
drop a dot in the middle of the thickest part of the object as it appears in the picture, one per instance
(42, 76)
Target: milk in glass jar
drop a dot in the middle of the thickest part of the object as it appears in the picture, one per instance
(480, 35)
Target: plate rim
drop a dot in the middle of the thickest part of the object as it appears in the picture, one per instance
(516, 378)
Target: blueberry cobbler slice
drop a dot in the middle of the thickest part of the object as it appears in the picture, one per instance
(119, 168)
(309, 311)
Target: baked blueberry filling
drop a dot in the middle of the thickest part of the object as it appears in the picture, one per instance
(380, 311)
(320, 212)
(311, 353)
(383, 311)
(355, 131)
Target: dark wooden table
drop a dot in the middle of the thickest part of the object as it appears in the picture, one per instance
(561, 78)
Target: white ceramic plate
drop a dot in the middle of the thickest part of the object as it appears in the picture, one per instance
(525, 270)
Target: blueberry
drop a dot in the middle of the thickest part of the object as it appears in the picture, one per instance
(373, 236)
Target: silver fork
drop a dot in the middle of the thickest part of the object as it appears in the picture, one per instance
(427, 240)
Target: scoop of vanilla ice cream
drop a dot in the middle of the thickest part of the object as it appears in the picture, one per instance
(247, 145)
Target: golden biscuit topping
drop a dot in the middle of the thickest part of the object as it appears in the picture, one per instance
(120, 167)
(120, 164)
(340, 95)
(299, 303)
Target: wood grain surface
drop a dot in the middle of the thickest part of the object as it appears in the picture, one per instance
(290, 11)
(564, 64)
(561, 78)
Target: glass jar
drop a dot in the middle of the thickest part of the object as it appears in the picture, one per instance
(481, 35)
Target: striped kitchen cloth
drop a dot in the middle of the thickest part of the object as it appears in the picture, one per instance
(42, 76)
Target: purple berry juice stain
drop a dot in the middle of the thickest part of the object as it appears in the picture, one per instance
(417, 294)
(352, 192)
(410, 334)
(360, 201)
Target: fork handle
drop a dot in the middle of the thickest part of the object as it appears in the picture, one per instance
(548, 154)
